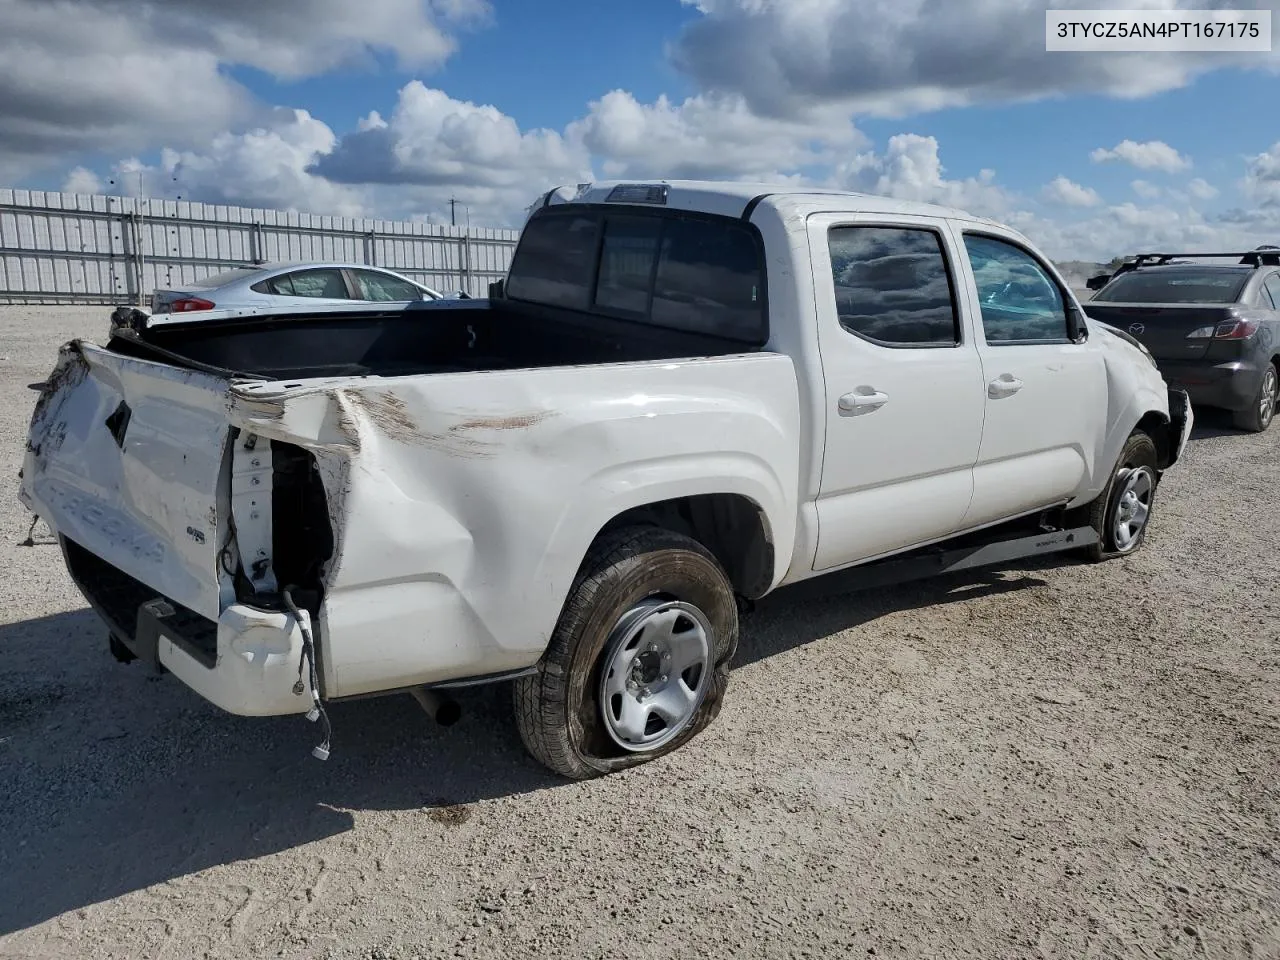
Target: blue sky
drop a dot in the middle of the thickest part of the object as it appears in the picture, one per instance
(390, 107)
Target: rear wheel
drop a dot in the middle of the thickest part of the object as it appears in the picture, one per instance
(638, 663)
(1123, 512)
(1259, 414)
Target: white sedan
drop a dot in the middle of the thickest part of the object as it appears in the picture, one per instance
(251, 288)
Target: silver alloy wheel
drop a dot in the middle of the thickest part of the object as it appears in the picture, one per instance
(656, 668)
(1133, 507)
(1267, 402)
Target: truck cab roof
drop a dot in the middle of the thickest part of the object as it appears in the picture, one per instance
(740, 199)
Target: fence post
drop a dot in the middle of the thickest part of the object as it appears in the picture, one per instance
(132, 256)
(142, 263)
(466, 264)
(255, 242)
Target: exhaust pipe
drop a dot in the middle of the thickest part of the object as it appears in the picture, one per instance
(443, 710)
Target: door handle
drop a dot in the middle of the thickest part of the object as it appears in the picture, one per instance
(1005, 385)
(863, 400)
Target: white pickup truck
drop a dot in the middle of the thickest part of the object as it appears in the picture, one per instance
(684, 396)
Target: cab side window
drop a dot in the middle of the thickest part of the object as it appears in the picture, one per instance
(893, 287)
(1020, 301)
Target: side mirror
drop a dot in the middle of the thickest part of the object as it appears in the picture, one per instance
(497, 289)
(1098, 282)
(1078, 326)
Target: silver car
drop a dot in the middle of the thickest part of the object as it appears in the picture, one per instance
(267, 285)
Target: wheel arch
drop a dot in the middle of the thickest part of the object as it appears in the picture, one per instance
(732, 526)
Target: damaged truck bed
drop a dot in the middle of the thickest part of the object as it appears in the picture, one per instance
(684, 396)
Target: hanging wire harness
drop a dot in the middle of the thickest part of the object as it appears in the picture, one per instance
(308, 662)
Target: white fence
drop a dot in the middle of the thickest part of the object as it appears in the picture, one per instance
(74, 248)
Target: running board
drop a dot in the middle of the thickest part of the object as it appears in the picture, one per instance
(940, 561)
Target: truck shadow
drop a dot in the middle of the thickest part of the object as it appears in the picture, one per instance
(118, 779)
(811, 610)
(1212, 423)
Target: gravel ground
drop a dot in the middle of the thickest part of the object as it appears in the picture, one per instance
(1054, 760)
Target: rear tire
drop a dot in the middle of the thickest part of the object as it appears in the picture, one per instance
(1122, 514)
(1258, 416)
(639, 661)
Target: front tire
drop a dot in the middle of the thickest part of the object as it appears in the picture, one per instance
(639, 661)
(1258, 416)
(1122, 514)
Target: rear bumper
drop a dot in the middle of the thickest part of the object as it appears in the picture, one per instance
(1229, 386)
(245, 662)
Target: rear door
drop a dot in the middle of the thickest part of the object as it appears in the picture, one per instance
(126, 459)
(903, 384)
(1046, 396)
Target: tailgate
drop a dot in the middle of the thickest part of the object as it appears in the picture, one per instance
(1163, 329)
(125, 458)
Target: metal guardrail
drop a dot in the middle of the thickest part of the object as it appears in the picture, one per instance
(75, 248)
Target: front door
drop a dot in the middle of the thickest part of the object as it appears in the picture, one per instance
(1046, 396)
(903, 386)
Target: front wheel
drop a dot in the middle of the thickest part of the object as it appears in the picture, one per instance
(1258, 416)
(1123, 512)
(638, 663)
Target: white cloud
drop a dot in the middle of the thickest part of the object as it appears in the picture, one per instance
(1262, 176)
(707, 136)
(910, 169)
(1145, 189)
(893, 57)
(1201, 189)
(452, 147)
(1151, 155)
(1060, 190)
(82, 180)
(1129, 228)
(264, 167)
(115, 75)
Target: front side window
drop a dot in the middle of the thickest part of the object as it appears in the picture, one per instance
(1020, 302)
(892, 286)
(383, 287)
(555, 260)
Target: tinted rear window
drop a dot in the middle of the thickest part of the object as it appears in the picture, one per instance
(700, 275)
(555, 261)
(709, 280)
(1174, 285)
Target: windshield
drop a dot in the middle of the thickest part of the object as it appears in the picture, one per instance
(1175, 285)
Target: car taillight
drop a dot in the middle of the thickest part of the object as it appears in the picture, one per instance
(1231, 330)
(1236, 330)
(187, 304)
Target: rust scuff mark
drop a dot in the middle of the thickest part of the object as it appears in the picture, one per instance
(388, 412)
(519, 421)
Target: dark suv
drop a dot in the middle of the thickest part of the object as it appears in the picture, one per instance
(1213, 328)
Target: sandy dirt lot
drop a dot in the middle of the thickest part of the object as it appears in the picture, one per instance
(1054, 760)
